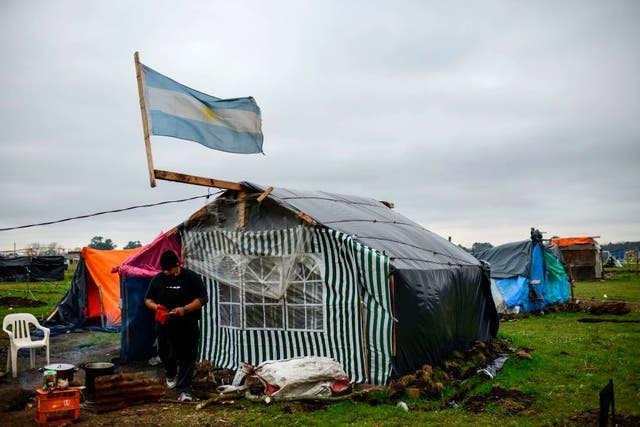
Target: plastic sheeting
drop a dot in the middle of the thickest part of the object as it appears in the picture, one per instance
(47, 268)
(508, 260)
(138, 323)
(42, 268)
(302, 376)
(261, 264)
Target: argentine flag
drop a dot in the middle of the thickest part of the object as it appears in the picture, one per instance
(232, 125)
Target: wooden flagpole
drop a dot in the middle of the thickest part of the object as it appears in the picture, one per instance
(145, 125)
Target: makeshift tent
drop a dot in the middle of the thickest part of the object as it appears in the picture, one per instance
(526, 275)
(14, 268)
(582, 257)
(94, 294)
(308, 273)
(42, 268)
(136, 271)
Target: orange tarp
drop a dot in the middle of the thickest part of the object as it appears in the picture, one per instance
(102, 282)
(568, 241)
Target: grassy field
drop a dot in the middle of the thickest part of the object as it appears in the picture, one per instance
(572, 360)
(618, 287)
(48, 294)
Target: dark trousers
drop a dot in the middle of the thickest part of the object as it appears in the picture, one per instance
(178, 349)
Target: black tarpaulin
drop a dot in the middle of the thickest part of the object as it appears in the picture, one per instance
(47, 268)
(443, 295)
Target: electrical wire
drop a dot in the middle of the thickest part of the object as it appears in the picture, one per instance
(107, 212)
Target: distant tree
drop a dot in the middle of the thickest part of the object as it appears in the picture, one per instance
(38, 248)
(52, 249)
(479, 247)
(98, 242)
(133, 244)
(464, 248)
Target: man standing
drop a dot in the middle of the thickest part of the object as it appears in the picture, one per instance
(176, 295)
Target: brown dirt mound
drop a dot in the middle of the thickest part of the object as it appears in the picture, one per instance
(513, 401)
(596, 307)
(20, 302)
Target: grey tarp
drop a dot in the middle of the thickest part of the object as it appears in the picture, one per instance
(508, 260)
(443, 295)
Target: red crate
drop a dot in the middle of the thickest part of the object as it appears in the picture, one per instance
(57, 406)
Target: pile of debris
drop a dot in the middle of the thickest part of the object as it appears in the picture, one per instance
(207, 378)
(430, 382)
(481, 360)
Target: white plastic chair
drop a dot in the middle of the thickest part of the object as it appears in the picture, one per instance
(18, 327)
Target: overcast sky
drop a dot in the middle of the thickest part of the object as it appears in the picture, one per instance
(478, 120)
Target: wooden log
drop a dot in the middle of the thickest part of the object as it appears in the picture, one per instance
(220, 398)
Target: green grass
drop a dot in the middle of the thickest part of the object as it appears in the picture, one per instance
(619, 287)
(572, 361)
(48, 293)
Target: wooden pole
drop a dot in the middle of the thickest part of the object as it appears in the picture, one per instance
(392, 288)
(242, 209)
(145, 123)
(365, 340)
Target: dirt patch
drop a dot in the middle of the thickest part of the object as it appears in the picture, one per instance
(591, 418)
(596, 307)
(20, 302)
(512, 401)
(591, 320)
(578, 306)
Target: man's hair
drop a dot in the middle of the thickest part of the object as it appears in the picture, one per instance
(168, 260)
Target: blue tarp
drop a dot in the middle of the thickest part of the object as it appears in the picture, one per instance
(527, 275)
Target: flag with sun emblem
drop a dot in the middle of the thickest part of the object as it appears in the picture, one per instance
(231, 125)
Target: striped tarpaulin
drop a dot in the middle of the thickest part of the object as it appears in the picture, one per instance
(356, 293)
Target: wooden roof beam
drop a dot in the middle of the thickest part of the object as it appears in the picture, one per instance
(197, 180)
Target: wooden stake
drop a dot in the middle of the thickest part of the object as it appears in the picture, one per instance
(145, 124)
(265, 194)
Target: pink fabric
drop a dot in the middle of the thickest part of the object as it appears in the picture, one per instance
(146, 262)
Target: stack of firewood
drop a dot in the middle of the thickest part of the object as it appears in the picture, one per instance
(123, 390)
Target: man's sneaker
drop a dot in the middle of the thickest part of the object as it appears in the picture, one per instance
(171, 383)
(185, 397)
(155, 361)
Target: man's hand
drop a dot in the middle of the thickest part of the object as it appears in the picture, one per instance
(178, 311)
(162, 314)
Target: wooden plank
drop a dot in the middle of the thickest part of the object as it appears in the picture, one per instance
(306, 218)
(197, 180)
(265, 194)
(365, 341)
(242, 209)
(145, 123)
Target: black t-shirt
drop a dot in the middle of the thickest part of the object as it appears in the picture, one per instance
(178, 291)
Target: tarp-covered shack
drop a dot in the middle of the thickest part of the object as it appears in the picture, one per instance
(309, 273)
(526, 275)
(582, 257)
